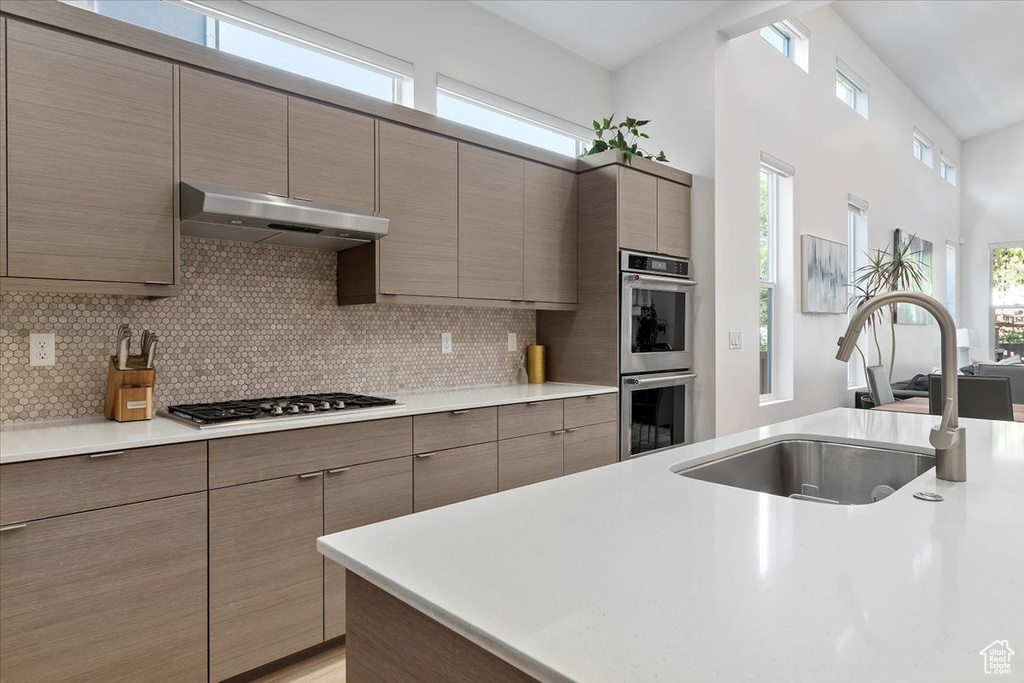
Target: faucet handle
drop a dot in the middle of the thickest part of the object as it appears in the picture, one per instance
(943, 436)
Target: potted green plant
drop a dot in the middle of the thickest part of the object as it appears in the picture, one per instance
(902, 269)
(616, 139)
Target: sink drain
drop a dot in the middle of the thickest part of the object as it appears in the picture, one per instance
(930, 497)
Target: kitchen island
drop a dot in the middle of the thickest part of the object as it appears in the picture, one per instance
(631, 572)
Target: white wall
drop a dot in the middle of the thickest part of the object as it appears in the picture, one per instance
(673, 84)
(766, 103)
(992, 185)
(464, 42)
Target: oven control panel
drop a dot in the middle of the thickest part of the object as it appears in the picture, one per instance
(660, 265)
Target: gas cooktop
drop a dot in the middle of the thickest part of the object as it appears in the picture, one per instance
(274, 408)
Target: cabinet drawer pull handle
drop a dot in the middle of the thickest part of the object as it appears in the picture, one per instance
(106, 455)
(301, 199)
(591, 396)
(459, 412)
(339, 470)
(533, 403)
(12, 527)
(557, 432)
(424, 455)
(275, 194)
(571, 429)
(156, 282)
(310, 475)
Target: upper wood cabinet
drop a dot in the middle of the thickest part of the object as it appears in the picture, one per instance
(673, 218)
(330, 155)
(419, 190)
(549, 239)
(233, 134)
(354, 496)
(653, 214)
(110, 595)
(90, 160)
(266, 576)
(491, 207)
(638, 210)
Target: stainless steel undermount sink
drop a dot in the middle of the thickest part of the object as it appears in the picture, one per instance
(818, 471)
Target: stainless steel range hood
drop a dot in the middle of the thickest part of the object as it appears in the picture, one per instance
(224, 214)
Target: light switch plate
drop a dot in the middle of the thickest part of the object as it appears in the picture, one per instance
(41, 351)
(511, 341)
(735, 340)
(446, 343)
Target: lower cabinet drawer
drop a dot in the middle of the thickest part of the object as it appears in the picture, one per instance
(454, 475)
(529, 459)
(60, 486)
(438, 431)
(521, 419)
(108, 595)
(590, 410)
(354, 496)
(266, 575)
(591, 446)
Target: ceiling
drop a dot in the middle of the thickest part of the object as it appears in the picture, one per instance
(595, 29)
(963, 59)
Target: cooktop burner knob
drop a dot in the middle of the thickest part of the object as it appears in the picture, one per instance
(292, 408)
(309, 407)
(325, 405)
(276, 410)
(339, 404)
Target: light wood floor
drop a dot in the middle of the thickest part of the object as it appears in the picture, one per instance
(326, 667)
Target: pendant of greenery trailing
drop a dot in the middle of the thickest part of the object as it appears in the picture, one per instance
(901, 270)
(616, 139)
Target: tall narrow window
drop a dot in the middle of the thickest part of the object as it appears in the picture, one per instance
(851, 89)
(766, 298)
(1007, 312)
(922, 148)
(857, 253)
(951, 278)
(947, 169)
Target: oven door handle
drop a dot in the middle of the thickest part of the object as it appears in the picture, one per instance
(640, 381)
(682, 282)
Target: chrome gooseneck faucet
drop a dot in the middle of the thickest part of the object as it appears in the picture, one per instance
(948, 437)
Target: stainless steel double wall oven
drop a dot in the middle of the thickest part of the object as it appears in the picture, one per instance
(656, 353)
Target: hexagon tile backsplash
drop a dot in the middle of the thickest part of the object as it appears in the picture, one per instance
(250, 321)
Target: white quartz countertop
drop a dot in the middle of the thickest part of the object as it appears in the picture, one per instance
(632, 573)
(35, 441)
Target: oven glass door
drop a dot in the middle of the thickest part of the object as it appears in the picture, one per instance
(656, 332)
(656, 412)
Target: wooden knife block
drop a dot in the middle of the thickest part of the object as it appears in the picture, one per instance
(130, 392)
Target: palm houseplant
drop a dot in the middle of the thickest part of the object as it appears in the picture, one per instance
(887, 271)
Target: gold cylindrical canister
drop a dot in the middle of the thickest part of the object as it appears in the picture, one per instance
(535, 358)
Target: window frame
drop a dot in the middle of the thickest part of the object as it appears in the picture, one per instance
(796, 39)
(275, 27)
(768, 281)
(514, 110)
(992, 307)
(853, 84)
(856, 226)
(945, 163)
(927, 149)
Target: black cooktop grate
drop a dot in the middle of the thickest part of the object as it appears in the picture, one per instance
(235, 411)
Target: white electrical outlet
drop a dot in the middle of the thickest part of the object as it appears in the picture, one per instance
(511, 341)
(446, 343)
(735, 340)
(41, 350)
